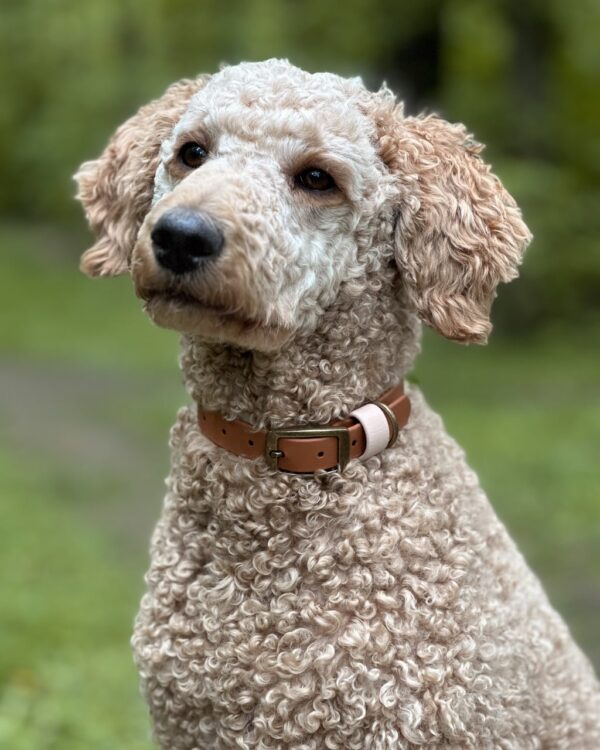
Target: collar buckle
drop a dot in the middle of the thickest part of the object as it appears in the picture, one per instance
(273, 453)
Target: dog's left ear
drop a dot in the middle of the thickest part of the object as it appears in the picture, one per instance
(459, 233)
(116, 189)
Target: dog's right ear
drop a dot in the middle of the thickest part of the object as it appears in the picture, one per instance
(116, 189)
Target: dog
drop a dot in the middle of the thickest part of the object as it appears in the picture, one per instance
(326, 572)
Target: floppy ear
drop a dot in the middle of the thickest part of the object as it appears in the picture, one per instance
(459, 232)
(116, 189)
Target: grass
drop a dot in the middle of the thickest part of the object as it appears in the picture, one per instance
(90, 387)
(67, 603)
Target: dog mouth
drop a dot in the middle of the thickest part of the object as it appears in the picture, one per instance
(183, 311)
(183, 301)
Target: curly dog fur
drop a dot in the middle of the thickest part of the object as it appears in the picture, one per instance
(384, 607)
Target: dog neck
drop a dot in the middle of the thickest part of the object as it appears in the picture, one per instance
(314, 378)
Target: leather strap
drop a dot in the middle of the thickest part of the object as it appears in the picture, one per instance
(299, 455)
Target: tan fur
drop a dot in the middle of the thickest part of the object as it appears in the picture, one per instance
(383, 608)
(459, 231)
(116, 189)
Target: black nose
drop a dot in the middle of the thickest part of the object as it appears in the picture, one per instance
(183, 239)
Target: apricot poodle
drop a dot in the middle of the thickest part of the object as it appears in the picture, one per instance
(326, 572)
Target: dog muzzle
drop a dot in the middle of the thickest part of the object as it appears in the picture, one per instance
(306, 449)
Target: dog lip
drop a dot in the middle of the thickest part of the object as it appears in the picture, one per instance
(156, 297)
(175, 297)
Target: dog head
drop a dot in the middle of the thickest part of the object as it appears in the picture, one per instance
(242, 202)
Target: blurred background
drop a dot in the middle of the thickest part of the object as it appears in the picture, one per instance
(89, 389)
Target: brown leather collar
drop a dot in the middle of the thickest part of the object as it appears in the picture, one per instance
(305, 449)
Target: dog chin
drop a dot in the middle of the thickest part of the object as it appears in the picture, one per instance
(188, 315)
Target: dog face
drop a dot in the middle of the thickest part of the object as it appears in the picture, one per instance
(257, 197)
(242, 202)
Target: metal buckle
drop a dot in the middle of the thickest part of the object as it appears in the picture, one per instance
(273, 454)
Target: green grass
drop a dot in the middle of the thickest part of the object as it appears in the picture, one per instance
(66, 675)
(73, 532)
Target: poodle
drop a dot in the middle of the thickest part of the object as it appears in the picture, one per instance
(326, 571)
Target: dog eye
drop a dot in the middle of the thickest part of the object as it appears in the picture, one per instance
(192, 155)
(315, 179)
